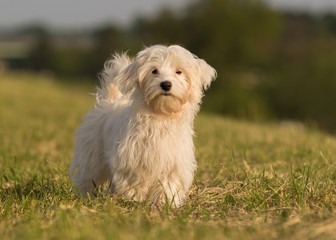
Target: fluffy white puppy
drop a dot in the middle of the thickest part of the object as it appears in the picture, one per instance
(139, 136)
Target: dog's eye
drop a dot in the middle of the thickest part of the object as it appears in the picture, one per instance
(155, 71)
(179, 72)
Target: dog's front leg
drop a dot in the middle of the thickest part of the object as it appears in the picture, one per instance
(175, 189)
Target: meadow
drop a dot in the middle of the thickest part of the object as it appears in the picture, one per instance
(254, 180)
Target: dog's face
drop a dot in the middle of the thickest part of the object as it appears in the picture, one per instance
(165, 83)
(168, 77)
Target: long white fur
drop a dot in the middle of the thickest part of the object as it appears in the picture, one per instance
(136, 138)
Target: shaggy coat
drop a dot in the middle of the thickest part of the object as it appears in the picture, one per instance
(139, 136)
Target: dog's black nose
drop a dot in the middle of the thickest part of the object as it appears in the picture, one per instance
(166, 85)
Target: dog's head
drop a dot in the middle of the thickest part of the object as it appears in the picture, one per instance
(168, 77)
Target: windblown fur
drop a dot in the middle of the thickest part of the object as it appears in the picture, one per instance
(139, 136)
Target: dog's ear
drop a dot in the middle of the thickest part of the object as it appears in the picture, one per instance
(207, 73)
(127, 78)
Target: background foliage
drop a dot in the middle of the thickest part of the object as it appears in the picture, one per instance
(271, 65)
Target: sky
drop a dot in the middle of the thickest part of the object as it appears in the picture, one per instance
(89, 13)
(80, 13)
(308, 5)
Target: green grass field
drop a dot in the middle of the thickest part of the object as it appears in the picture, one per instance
(254, 181)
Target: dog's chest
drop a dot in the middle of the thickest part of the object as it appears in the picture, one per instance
(155, 145)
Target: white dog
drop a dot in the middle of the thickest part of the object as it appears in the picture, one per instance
(139, 136)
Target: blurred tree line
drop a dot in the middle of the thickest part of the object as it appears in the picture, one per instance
(270, 64)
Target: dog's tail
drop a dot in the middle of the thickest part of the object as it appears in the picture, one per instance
(108, 90)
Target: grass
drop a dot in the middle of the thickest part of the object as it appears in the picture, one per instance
(254, 181)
